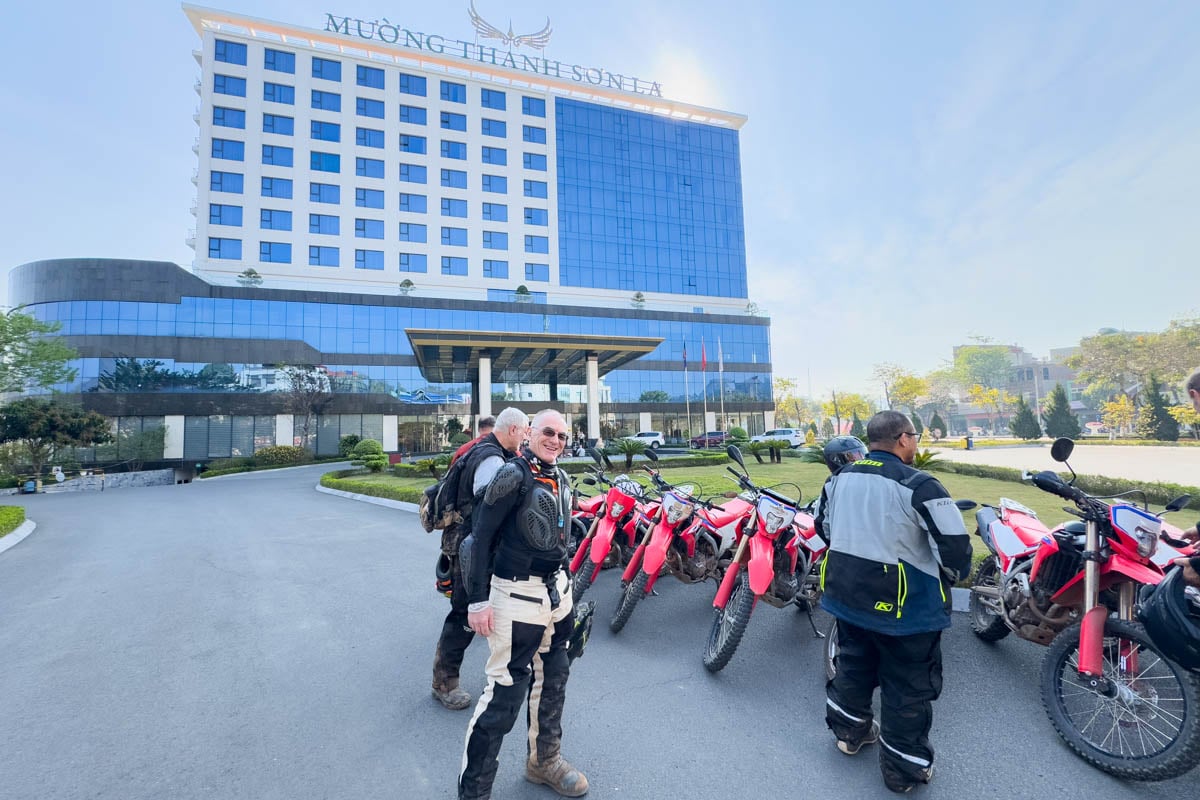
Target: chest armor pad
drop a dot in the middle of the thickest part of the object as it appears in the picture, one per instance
(539, 520)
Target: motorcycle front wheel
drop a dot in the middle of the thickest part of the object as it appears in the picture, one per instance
(729, 625)
(1145, 725)
(583, 579)
(632, 595)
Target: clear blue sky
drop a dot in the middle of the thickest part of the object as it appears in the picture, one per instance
(914, 172)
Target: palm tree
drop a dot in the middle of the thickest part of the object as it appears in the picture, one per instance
(629, 448)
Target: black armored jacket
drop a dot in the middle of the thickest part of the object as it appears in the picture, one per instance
(897, 544)
(520, 525)
(465, 498)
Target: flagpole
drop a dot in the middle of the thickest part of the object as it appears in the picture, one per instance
(704, 373)
(687, 395)
(721, 373)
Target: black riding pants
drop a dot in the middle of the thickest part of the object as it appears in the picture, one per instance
(455, 637)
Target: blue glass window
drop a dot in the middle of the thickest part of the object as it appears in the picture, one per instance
(365, 107)
(368, 229)
(277, 187)
(537, 244)
(279, 93)
(326, 101)
(325, 131)
(413, 262)
(371, 77)
(533, 106)
(534, 161)
(230, 52)
(229, 117)
(324, 193)
(368, 259)
(412, 232)
(454, 122)
(454, 208)
(495, 240)
(454, 178)
(537, 216)
(225, 182)
(454, 265)
(413, 173)
(495, 212)
(495, 269)
(495, 155)
(326, 69)
(413, 203)
(368, 137)
(277, 155)
(495, 127)
(368, 198)
(274, 123)
(326, 224)
(368, 167)
(228, 149)
(227, 84)
(454, 92)
(279, 61)
(535, 189)
(492, 98)
(270, 219)
(275, 252)
(537, 272)
(454, 237)
(224, 248)
(224, 215)
(534, 134)
(413, 115)
(412, 84)
(454, 150)
(321, 256)
(325, 162)
(497, 184)
(412, 144)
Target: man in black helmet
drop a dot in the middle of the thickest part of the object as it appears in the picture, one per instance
(519, 537)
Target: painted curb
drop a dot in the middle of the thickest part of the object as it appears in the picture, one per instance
(399, 505)
(331, 464)
(13, 539)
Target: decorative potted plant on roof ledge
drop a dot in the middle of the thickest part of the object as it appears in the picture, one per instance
(639, 300)
(249, 277)
(406, 286)
(752, 309)
(522, 294)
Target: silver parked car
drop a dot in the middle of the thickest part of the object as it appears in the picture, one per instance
(793, 436)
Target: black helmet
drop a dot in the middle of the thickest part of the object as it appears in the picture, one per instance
(445, 580)
(842, 450)
(1172, 620)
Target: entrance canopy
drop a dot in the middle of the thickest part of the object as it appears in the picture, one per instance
(551, 358)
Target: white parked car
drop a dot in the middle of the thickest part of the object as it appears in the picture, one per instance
(652, 439)
(794, 436)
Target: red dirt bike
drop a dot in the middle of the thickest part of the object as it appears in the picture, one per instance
(1110, 694)
(691, 540)
(768, 564)
(615, 530)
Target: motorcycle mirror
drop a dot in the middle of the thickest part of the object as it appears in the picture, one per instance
(595, 454)
(734, 453)
(1179, 503)
(1061, 449)
(650, 454)
(607, 461)
(965, 505)
(590, 481)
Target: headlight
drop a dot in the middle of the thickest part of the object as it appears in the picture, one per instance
(1147, 541)
(775, 515)
(675, 508)
(617, 510)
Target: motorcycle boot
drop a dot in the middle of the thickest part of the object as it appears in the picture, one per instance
(557, 773)
(451, 695)
(903, 783)
(851, 747)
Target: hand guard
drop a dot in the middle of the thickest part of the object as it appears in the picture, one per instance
(466, 561)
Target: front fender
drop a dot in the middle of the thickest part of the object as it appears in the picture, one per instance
(761, 564)
(602, 541)
(656, 551)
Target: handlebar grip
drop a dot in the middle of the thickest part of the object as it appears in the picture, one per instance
(1050, 482)
(733, 472)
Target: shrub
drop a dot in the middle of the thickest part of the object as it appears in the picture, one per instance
(229, 464)
(738, 434)
(367, 447)
(924, 459)
(11, 518)
(459, 439)
(344, 481)
(278, 454)
(937, 426)
(347, 443)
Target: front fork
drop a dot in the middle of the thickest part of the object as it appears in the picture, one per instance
(1091, 631)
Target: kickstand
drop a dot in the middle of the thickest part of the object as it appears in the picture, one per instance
(816, 633)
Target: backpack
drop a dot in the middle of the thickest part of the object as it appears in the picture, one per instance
(436, 509)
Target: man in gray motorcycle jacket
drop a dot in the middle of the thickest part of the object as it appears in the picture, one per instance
(519, 538)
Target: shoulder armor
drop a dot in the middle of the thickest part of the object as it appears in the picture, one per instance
(507, 481)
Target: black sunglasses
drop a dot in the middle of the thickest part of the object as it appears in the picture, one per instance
(913, 434)
(562, 437)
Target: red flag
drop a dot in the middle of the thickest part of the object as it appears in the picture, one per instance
(703, 358)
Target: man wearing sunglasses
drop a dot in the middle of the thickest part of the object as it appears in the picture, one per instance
(519, 539)
(897, 544)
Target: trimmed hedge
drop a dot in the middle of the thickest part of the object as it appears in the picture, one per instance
(11, 518)
(343, 480)
(281, 454)
(1159, 493)
(577, 467)
(216, 473)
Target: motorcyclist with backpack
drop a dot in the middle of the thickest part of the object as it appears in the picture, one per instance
(478, 466)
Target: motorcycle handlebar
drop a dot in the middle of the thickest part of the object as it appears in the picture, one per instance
(1050, 482)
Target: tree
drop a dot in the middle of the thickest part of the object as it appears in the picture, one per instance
(406, 286)
(1186, 415)
(1057, 418)
(993, 401)
(937, 426)
(845, 406)
(789, 405)
(827, 427)
(987, 365)
(40, 426)
(1154, 420)
(1119, 415)
(916, 421)
(454, 426)
(138, 448)
(1111, 363)
(857, 428)
(654, 396)
(309, 392)
(31, 357)
(638, 300)
(1024, 424)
